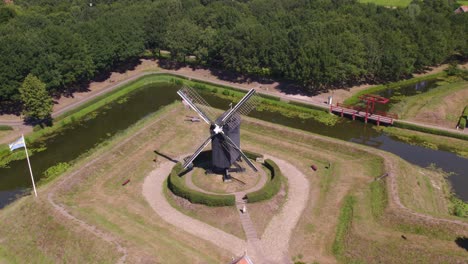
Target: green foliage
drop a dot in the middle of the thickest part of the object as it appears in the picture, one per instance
(176, 184)
(5, 128)
(37, 103)
(272, 186)
(65, 44)
(252, 155)
(54, 171)
(6, 13)
(429, 130)
(343, 227)
(465, 112)
(462, 123)
(458, 207)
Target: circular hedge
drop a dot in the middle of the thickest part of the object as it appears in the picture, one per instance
(177, 185)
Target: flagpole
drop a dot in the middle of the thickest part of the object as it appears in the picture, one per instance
(29, 164)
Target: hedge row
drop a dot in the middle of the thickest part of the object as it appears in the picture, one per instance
(463, 118)
(429, 130)
(176, 184)
(272, 186)
(462, 122)
(252, 155)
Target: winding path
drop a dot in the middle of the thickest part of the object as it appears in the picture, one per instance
(153, 192)
(271, 248)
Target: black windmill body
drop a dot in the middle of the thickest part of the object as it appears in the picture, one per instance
(224, 131)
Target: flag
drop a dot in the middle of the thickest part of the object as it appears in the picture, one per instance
(19, 143)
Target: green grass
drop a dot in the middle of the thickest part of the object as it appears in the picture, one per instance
(379, 198)
(344, 226)
(410, 106)
(463, 2)
(398, 3)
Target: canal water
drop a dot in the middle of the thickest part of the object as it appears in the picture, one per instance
(396, 94)
(81, 136)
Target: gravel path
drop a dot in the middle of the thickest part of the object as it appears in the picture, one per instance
(275, 241)
(276, 237)
(153, 192)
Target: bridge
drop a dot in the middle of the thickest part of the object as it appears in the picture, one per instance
(355, 111)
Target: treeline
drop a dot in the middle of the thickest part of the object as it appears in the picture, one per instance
(317, 43)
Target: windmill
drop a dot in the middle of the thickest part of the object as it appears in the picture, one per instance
(224, 131)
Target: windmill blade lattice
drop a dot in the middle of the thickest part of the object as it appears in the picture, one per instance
(248, 103)
(196, 99)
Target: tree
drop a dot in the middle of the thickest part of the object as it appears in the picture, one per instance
(37, 102)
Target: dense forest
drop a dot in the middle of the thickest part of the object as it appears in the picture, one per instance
(316, 43)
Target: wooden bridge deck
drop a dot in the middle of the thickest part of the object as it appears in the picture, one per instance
(341, 110)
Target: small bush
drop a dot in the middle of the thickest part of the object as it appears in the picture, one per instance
(54, 171)
(200, 87)
(5, 128)
(462, 123)
(465, 112)
(176, 184)
(458, 207)
(272, 186)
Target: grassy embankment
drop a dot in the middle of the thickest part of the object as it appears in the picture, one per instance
(268, 103)
(438, 106)
(444, 99)
(352, 171)
(375, 89)
(75, 115)
(100, 199)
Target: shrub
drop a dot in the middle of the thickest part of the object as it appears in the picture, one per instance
(200, 87)
(176, 184)
(54, 171)
(5, 128)
(465, 112)
(272, 186)
(462, 123)
(458, 207)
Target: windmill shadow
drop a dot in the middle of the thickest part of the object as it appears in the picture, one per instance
(202, 161)
(165, 156)
(462, 242)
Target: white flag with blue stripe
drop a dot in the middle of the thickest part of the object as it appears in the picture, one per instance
(19, 143)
